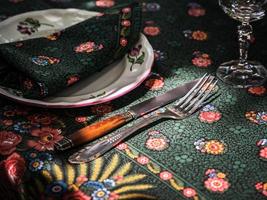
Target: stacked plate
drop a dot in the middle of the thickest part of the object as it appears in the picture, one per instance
(114, 81)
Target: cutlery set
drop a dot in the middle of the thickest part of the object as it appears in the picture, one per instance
(188, 99)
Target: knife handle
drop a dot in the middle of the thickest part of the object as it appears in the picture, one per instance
(93, 131)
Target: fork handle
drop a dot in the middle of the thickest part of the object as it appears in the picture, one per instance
(90, 153)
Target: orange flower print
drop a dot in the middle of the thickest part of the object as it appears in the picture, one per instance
(257, 117)
(199, 35)
(214, 147)
(151, 30)
(155, 83)
(54, 36)
(257, 90)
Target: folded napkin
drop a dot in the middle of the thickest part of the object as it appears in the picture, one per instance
(40, 67)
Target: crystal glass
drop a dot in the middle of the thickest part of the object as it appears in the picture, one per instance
(243, 73)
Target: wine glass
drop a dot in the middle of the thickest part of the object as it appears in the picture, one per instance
(243, 73)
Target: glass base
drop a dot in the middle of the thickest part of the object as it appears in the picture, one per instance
(242, 76)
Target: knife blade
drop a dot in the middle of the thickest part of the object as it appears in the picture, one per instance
(99, 129)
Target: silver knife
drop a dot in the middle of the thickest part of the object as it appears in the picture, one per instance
(99, 129)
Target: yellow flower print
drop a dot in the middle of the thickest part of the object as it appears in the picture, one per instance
(214, 147)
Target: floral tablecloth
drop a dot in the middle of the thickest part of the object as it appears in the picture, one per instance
(219, 153)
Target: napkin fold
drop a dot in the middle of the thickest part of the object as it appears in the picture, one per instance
(37, 68)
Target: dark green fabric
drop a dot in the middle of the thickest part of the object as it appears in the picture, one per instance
(43, 66)
(169, 160)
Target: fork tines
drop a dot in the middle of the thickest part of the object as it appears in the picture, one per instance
(197, 95)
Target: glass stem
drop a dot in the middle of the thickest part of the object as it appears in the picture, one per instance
(244, 37)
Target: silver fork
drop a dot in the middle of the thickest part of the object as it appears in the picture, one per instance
(185, 107)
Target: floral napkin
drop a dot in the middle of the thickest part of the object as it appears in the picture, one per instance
(37, 68)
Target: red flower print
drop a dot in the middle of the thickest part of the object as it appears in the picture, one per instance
(257, 90)
(155, 83)
(196, 12)
(126, 10)
(199, 35)
(9, 113)
(43, 119)
(252, 39)
(113, 196)
(88, 47)
(259, 186)
(19, 44)
(216, 184)
(263, 153)
(165, 175)
(22, 111)
(72, 79)
(101, 109)
(151, 30)
(8, 142)
(75, 195)
(27, 84)
(126, 23)
(7, 122)
(47, 138)
(80, 180)
(118, 178)
(14, 168)
(209, 116)
(105, 3)
(122, 146)
(189, 192)
(143, 160)
(123, 42)
(201, 60)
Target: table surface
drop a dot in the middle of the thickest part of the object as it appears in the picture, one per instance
(219, 153)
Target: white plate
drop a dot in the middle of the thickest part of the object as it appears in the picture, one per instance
(111, 83)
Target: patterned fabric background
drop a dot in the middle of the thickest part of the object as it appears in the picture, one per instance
(219, 153)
